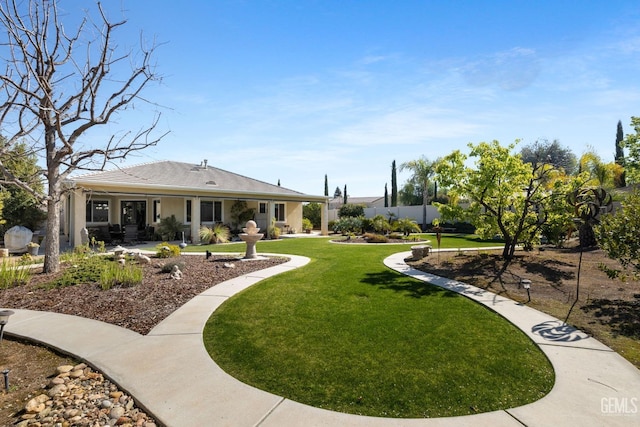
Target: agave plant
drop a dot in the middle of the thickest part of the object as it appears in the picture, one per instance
(218, 233)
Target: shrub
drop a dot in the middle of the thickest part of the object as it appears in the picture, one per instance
(82, 270)
(406, 226)
(169, 228)
(351, 210)
(218, 233)
(375, 238)
(167, 250)
(367, 225)
(347, 225)
(306, 224)
(113, 274)
(274, 231)
(168, 266)
(380, 224)
(313, 211)
(13, 274)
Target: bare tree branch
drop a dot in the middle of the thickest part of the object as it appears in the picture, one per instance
(54, 94)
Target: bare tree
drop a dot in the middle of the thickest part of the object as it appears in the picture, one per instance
(57, 86)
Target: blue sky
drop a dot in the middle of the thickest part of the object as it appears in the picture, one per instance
(294, 90)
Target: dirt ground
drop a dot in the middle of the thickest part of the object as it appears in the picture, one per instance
(608, 309)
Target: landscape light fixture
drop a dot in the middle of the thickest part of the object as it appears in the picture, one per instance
(4, 319)
(6, 380)
(526, 283)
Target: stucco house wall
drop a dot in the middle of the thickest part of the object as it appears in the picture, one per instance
(142, 195)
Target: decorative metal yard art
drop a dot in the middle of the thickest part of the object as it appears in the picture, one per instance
(588, 203)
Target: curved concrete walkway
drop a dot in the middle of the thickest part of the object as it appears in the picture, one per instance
(172, 377)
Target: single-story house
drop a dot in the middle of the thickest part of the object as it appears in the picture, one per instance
(136, 198)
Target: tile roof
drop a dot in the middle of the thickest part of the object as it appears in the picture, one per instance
(182, 175)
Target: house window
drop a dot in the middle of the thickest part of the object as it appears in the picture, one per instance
(210, 211)
(279, 208)
(263, 208)
(188, 211)
(97, 211)
(156, 211)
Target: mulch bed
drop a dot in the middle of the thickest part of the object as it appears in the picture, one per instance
(138, 308)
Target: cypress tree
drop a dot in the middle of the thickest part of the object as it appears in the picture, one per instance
(345, 194)
(394, 185)
(386, 196)
(326, 186)
(621, 181)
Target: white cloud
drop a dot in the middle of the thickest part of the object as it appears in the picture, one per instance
(514, 69)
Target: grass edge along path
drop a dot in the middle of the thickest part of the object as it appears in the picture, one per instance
(347, 334)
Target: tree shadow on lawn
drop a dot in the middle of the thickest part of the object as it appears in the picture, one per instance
(622, 316)
(403, 284)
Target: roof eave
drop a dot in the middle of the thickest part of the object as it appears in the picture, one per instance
(242, 193)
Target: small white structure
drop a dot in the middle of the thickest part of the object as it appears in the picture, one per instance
(17, 238)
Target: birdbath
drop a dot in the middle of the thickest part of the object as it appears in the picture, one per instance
(250, 237)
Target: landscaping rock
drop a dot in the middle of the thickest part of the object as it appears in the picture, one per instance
(82, 400)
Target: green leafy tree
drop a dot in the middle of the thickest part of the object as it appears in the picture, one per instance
(632, 161)
(394, 185)
(505, 195)
(61, 81)
(411, 193)
(620, 180)
(551, 153)
(601, 174)
(351, 210)
(313, 212)
(21, 207)
(618, 233)
(422, 171)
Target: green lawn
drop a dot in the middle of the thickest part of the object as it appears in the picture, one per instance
(347, 334)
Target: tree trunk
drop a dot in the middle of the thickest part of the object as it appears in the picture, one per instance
(509, 249)
(424, 207)
(52, 243)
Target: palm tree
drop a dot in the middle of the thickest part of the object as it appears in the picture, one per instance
(601, 174)
(423, 170)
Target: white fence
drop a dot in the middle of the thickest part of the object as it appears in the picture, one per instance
(413, 212)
